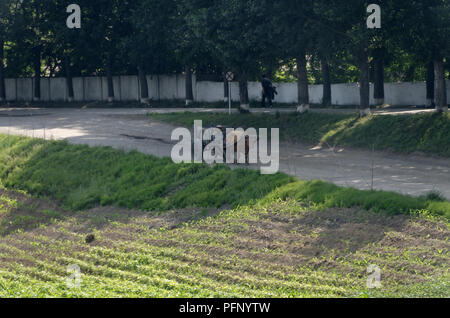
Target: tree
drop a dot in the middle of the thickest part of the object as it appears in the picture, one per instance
(149, 40)
(240, 34)
(430, 84)
(423, 28)
(349, 18)
(293, 15)
(346, 21)
(64, 41)
(325, 44)
(4, 18)
(103, 22)
(188, 43)
(313, 39)
(326, 95)
(30, 30)
(441, 25)
(378, 54)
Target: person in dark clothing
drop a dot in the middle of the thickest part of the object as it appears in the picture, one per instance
(268, 91)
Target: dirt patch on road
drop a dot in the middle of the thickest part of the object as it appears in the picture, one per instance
(148, 138)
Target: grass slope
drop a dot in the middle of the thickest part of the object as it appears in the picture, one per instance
(82, 177)
(428, 133)
(282, 249)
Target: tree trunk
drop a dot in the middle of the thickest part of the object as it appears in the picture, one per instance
(364, 90)
(410, 74)
(430, 84)
(189, 92)
(109, 79)
(303, 94)
(69, 80)
(2, 74)
(144, 87)
(326, 100)
(243, 92)
(441, 92)
(379, 76)
(37, 74)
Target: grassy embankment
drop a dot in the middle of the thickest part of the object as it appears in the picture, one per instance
(81, 177)
(426, 133)
(273, 236)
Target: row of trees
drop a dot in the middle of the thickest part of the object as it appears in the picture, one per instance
(325, 39)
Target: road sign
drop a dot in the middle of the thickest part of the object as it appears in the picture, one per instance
(229, 76)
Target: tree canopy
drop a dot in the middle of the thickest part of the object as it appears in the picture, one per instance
(309, 41)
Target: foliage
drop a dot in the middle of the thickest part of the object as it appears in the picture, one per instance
(281, 249)
(245, 35)
(81, 177)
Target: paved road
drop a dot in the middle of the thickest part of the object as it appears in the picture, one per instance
(128, 129)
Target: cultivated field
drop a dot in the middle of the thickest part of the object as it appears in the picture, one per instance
(284, 249)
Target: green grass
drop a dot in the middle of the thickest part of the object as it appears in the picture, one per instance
(282, 249)
(274, 236)
(427, 133)
(325, 195)
(81, 177)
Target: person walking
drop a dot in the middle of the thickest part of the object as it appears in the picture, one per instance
(268, 91)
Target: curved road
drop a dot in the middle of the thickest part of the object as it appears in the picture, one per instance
(128, 129)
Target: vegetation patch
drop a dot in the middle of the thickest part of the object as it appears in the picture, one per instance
(325, 195)
(281, 249)
(81, 177)
(223, 233)
(427, 133)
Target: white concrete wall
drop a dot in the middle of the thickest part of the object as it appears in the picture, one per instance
(93, 88)
(448, 90)
(58, 89)
(287, 93)
(24, 89)
(168, 88)
(78, 89)
(116, 86)
(171, 87)
(45, 89)
(129, 88)
(153, 86)
(344, 94)
(209, 92)
(10, 89)
(405, 93)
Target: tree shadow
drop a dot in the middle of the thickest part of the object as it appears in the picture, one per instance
(20, 212)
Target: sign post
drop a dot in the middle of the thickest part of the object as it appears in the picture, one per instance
(229, 76)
